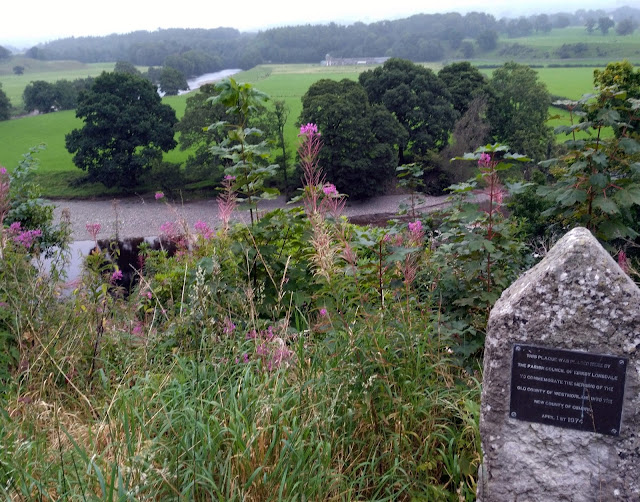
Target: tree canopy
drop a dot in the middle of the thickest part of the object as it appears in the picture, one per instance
(625, 27)
(464, 82)
(126, 128)
(518, 110)
(604, 23)
(39, 95)
(200, 112)
(172, 81)
(5, 105)
(358, 155)
(419, 100)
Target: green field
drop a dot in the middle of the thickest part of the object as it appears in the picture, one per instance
(49, 71)
(285, 82)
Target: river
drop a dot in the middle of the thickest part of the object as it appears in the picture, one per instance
(207, 78)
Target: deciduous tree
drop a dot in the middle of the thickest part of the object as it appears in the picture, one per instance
(604, 23)
(172, 81)
(518, 110)
(200, 112)
(39, 95)
(126, 128)
(358, 154)
(5, 105)
(625, 27)
(464, 82)
(419, 100)
(487, 40)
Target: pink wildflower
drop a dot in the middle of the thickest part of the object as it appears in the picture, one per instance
(159, 195)
(416, 233)
(168, 228)
(116, 276)
(485, 160)
(330, 190)
(149, 295)
(229, 327)
(309, 129)
(4, 194)
(15, 227)
(27, 237)
(203, 229)
(623, 262)
(226, 202)
(323, 312)
(93, 229)
(415, 227)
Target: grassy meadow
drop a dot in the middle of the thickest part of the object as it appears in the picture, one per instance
(49, 71)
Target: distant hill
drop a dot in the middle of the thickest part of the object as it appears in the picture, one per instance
(422, 37)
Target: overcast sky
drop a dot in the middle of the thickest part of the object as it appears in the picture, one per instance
(26, 22)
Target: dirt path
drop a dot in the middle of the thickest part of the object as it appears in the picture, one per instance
(142, 216)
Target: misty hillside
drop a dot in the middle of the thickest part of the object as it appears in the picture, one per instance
(422, 37)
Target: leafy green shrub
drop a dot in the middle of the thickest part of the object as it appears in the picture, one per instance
(477, 252)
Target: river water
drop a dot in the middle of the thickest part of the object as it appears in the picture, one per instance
(207, 78)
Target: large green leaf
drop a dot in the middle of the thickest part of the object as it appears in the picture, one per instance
(570, 197)
(599, 180)
(606, 205)
(630, 146)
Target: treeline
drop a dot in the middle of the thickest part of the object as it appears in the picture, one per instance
(422, 37)
(201, 50)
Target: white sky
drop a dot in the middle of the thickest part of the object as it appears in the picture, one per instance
(25, 22)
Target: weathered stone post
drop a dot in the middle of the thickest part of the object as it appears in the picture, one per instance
(560, 414)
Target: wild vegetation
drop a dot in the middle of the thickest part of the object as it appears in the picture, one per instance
(296, 356)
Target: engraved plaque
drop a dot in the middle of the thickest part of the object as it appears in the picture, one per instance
(567, 388)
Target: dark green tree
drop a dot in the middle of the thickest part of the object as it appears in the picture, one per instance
(4, 53)
(467, 49)
(590, 25)
(5, 105)
(487, 40)
(518, 110)
(464, 82)
(126, 129)
(604, 23)
(172, 81)
(39, 95)
(625, 27)
(281, 114)
(200, 112)
(618, 82)
(66, 95)
(354, 158)
(244, 146)
(126, 67)
(542, 23)
(419, 100)
(18, 70)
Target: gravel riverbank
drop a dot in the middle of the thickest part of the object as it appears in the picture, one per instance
(142, 216)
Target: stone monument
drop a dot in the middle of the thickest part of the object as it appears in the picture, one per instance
(560, 414)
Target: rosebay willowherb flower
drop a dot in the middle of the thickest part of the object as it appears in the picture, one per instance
(5, 205)
(226, 202)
